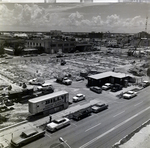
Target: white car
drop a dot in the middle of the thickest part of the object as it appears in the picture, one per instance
(36, 81)
(78, 97)
(57, 124)
(106, 86)
(129, 94)
(67, 81)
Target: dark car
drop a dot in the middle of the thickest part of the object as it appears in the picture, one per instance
(96, 89)
(146, 84)
(83, 113)
(99, 107)
(116, 87)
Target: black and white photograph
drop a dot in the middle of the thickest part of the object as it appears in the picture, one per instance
(74, 74)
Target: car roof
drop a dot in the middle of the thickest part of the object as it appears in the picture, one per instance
(107, 83)
(30, 131)
(58, 120)
(145, 81)
(130, 91)
(96, 87)
(79, 94)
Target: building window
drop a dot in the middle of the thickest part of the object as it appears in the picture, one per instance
(66, 44)
(53, 45)
(60, 45)
(47, 101)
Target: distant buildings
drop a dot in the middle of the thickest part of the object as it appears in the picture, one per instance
(51, 45)
(133, 0)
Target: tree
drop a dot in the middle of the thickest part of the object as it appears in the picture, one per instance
(9, 87)
(1, 49)
(148, 72)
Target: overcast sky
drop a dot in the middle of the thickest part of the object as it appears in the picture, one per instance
(116, 17)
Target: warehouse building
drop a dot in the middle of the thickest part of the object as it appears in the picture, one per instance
(108, 77)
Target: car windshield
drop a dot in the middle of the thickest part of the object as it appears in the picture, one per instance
(130, 92)
(79, 95)
(59, 121)
(97, 88)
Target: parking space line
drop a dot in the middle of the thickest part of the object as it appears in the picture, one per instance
(74, 124)
(119, 114)
(92, 127)
(48, 135)
(138, 103)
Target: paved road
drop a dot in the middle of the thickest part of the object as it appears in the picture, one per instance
(103, 129)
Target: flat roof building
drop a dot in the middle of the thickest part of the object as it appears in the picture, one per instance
(108, 77)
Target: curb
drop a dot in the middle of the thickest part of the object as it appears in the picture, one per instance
(5, 128)
(129, 136)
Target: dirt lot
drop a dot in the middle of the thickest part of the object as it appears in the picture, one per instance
(22, 69)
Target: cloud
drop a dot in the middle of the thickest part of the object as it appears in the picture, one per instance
(6, 15)
(113, 20)
(97, 20)
(75, 18)
(33, 15)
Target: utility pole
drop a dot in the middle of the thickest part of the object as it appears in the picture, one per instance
(146, 24)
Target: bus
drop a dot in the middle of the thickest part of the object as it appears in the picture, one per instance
(49, 103)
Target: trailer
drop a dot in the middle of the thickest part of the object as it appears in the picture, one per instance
(49, 103)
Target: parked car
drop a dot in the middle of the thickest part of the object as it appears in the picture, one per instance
(57, 124)
(27, 136)
(82, 113)
(107, 86)
(4, 143)
(129, 94)
(78, 97)
(79, 78)
(146, 84)
(116, 87)
(36, 81)
(66, 81)
(99, 107)
(96, 89)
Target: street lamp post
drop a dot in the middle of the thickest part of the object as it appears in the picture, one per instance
(62, 140)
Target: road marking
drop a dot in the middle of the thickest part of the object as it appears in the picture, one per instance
(76, 89)
(74, 124)
(48, 135)
(100, 136)
(119, 114)
(138, 103)
(92, 127)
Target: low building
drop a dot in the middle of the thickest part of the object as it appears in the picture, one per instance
(29, 51)
(108, 77)
(52, 46)
(9, 51)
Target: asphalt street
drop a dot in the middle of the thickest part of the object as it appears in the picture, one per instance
(104, 129)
